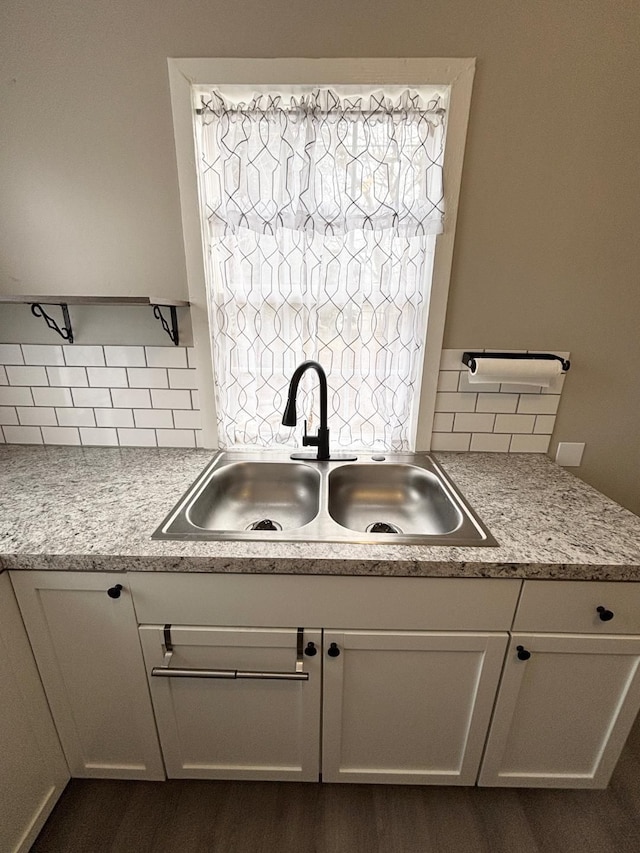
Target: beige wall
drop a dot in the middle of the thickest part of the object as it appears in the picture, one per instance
(547, 251)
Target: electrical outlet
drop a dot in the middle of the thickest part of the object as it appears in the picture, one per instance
(569, 453)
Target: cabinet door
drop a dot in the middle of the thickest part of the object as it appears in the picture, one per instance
(563, 713)
(213, 725)
(407, 707)
(33, 772)
(88, 652)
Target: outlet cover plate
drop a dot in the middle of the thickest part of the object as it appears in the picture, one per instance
(569, 453)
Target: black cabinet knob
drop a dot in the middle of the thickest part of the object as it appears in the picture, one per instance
(311, 650)
(605, 614)
(114, 591)
(523, 654)
(334, 651)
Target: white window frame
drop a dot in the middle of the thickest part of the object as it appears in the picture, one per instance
(187, 74)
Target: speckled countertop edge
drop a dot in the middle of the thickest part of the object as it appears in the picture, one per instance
(81, 509)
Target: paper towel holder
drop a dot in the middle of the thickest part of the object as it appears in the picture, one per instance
(469, 358)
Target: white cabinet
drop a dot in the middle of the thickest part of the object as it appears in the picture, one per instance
(236, 703)
(567, 701)
(403, 706)
(83, 630)
(33, 772)
(407, 707)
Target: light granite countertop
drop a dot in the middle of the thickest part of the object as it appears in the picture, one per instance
(95, 509)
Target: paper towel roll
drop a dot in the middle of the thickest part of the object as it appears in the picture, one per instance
(521, 371)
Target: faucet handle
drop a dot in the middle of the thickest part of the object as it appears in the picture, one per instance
(309, 440)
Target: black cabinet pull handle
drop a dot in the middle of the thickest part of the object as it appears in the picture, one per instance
(523, 654)
(114, 591)
(310, 650)
(605, 614)
(334, 651)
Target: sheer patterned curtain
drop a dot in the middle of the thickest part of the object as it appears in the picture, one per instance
(320, 215)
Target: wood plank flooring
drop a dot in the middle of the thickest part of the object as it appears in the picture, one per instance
(272, 817)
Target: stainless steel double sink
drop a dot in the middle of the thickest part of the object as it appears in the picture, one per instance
(392, 499)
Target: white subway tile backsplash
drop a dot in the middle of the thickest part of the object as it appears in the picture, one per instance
(83, 356)
(191, 356)
(162, 399)
(188, 419)
(464, 422)
(52, 397)
(542, 404)
(529, 443)
(448, 380)
(124, 356)
(152, 418)
(497, 403)
(195, 399)
(27, 375)
(544, 424)
(131, 398)
(450, 441)
(490, 442)
(442, 422)
(514, 423)
(8, 416)
(36, 416)
(42, 354)
(2, 438)
(137, 437)
(451, 359)
(98, 395)
(186, 378)
(91, 397)
(166, 356)
(11, 354)
(100, 436)
(199, 438)
(76, 417)
(446, 402)
(72, 377)
(107, 377)
(22, 434)
(15, 396)
(60, 435)
(176, 438)
(147, 377)
(114, 418)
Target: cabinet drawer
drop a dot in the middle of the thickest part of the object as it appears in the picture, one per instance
(430, 604)
(572, 607)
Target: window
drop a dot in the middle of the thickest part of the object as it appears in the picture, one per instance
(319, 209)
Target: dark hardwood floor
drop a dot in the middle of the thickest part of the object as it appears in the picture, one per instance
(271, 817)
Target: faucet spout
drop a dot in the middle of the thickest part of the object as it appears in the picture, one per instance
(289, 418)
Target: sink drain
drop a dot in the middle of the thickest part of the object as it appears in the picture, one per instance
(383, 527)
(264, 524)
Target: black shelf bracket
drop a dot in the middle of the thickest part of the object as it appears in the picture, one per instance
(469, 358)
(171, 330)
(66, 332)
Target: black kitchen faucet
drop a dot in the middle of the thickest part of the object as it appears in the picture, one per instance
(289, 418)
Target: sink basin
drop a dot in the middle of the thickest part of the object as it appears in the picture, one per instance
(399, 499)
(407, 499)
(263, 496)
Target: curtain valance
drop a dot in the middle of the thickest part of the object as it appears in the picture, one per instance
(322, 162)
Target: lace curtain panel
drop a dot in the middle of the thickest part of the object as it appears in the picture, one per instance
(320, 215)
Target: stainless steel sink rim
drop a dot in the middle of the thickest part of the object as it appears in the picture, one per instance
(322, 527)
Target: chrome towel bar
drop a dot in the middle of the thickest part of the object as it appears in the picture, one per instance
(166, 671)
(175, 672)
